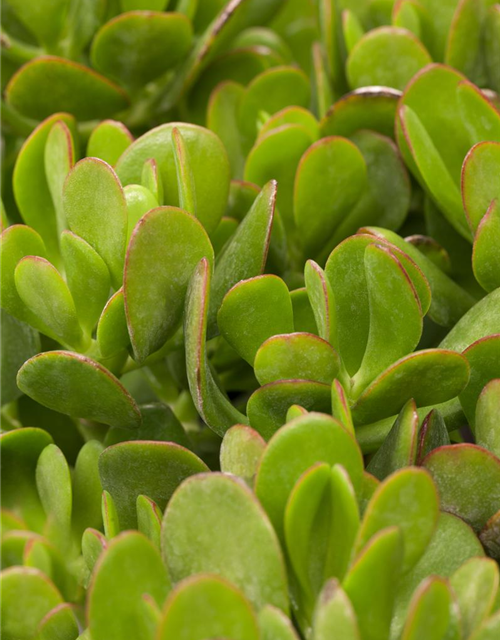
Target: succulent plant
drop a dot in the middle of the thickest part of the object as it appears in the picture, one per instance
(250, 320)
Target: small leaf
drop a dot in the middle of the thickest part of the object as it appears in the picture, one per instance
(433, 434)
(109, 516)
(274, 624)
(388, 57)
(296, 355)
(475, 584)
(153, 469)
(400, 447)
(479, 180)
(151, 179)
(267, 407)
(31, 186)
(483, 358)
(53, 482)
(78, 386)
(429, 377)
(416, 518)
(248, 555)
(138, 46)
(253, 311)
(177, 241)
(371, 583)
(45, 19)
(246, 254)
(487, 431)
(75, 89)
(240, 451)
(93, 544)
(485, 262)
(19, 342)
(474, 492)
(334, 618)
(112, 330)
(206, 604)
(130, 567)
(322, 302)
(208, 163)
(149, 519)
(19, 586)
(87, 489)
(139, 201)
(108, 141)
(88, 278)
(300, 444)
(222, 119)
(429, 613)
(91, 188)
(59, 160)
(43, 290)
(60, 623)
(212, 405)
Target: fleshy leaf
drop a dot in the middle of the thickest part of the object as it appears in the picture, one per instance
(108, 141)
(240, 451)
(433, 434)
(139, 201)
(249, 555)
(322, 301)
(149, 519)
(59, 160)
(53, 482)
(307, 440)
(112, 331)
(207, 606)
(165, 248)
(91, 188)
(78, 386)
(429, 612)
(483, 357)
(480, 180)
(253, 311)
(274, 624)
(153, 469)
(334, 618)
(130, 567)
(416, 518)
(75, 89)
(485, 261)
(60, 622)
(87, 489)
(488, 404)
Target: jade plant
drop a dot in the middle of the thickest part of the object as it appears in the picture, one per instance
(250, 320)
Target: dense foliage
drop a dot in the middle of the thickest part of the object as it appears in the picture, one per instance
(250, 320)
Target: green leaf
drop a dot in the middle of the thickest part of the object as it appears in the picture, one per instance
(154, 295)
(275, 156)
(388, 57)
(88, 278)
(475, 585)
(151, 179)
(296, 355)
(489, 630)
(109, 516)
(321, 522)
(334, 618)
(206, 604)
(485, 262)
(292, 115)
(93, 187)
(487, 432)
(59, 160)
(212, 405)
(491, 40)
(53, 482)
(153, 469)
(274, 625)
(433, 434)
(352, 29)
(416, 517)
(483, 357)
(20, 449)
(480, 321)
(452, 544)
(216, 506)
(130, 567)
(322, 302)
(301, 443)
(87, 489)
(429, 377)
(112, 330)
(246, 254)
(19, 342)
(330, 179)
(240, 451)
(270, 92)
(139, 201)
(75, 89)
(21, 585)
(391, 335)
(208, 163)
(222, 120)
(137, 47)
(371, 108)
(93, 544)
(43, 290)
(185, 181)
(45, 19)
(429, 613)
(149, 519)
(108, 141)
(31, 187)
(267, 407)
(480, 181)
(78, 386)
(473, 493)
(371, 584)
(59, 624)
(253, 311)
(399, 449)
